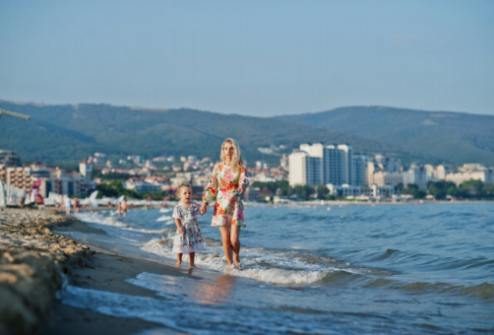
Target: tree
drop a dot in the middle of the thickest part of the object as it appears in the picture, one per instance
(439, 190)
(322, 192)
(472, 189)
(115, 189)
(303, 192)
(415, 191)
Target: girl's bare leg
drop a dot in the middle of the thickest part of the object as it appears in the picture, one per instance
(227, 247)
(235, 241)
(179, 259)
(191, 259)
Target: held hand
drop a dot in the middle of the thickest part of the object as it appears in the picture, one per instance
(204, 208)
(180, 230)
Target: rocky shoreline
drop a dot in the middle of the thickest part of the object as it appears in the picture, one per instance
(33, 261)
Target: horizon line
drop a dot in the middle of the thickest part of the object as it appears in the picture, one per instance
(164, 109)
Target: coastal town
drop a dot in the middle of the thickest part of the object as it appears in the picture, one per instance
(246, 167)
(311, 172)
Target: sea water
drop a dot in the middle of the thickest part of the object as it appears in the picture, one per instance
(333, 269)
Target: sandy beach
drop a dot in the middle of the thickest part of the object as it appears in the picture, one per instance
(35, 262)
(104, 274)
(108, 272)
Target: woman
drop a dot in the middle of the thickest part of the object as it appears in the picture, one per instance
(225, 190)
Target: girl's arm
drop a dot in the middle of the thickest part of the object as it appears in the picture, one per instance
(180, 227)
(178, 220)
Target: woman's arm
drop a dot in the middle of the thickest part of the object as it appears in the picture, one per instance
(211, 190)
(243, 181)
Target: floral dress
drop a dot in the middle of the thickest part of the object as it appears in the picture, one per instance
(224, 190)
(191, 239)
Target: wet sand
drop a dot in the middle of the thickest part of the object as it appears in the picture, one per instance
(35, 262)
(108, 272)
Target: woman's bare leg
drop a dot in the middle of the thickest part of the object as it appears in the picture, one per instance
(191, 259)
(179, 260)
(227, 247)
(235, 241)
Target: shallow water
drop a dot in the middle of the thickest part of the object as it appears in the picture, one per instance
(398, 269)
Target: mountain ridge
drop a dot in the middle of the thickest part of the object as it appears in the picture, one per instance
(70, 132)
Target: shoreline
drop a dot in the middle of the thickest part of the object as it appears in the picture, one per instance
(364, 203)
(108, 272)
(37, 260)
(298, 204)
(34, 263)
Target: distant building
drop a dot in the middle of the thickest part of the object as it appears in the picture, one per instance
(284, 162)
(142, 186)
(318, 164)
(385, 178)
(85, 169)
(417, 175)
(471, 172)
(439, 173)
(3, 173)
(297, 168)
(19, 177)
(359, 170)
(9, 158)
(344, 190)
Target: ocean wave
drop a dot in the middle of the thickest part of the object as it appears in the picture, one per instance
(102, 220)
(483, 291)
(388, 253)
(263, 265)
(429, 262)
(167, 219)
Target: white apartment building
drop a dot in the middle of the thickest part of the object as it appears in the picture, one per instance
(416, 174)
(318, 164)
(297, 168)
(385, 178)
(471, 171)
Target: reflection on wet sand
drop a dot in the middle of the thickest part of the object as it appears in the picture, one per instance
(215, 292)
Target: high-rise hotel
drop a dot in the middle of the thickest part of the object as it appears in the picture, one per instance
(319, 164)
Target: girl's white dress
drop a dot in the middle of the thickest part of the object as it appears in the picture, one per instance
(191, 240)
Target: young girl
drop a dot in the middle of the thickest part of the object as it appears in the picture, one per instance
(188, 238)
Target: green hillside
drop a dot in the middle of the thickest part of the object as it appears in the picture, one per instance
(435, 136)
(68, 133)
(71, 132)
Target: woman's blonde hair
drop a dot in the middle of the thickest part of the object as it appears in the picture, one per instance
(236, 158)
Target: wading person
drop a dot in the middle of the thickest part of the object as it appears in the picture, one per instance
(224, 191)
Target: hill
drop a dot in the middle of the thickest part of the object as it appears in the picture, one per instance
(68, 133)
(433, 136)
(65, 133)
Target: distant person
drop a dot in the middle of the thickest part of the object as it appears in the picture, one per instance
(188, 238)
(76, 205)
(125, 206)
(122, 207)
(225, 189)
(164, 203)
(149, 201)
(38, 198)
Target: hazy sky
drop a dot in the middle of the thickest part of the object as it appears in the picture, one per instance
(250, 57)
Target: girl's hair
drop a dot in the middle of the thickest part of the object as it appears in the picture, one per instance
(236, 158)
(180, 187)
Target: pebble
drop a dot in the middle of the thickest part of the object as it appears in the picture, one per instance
(32, 259)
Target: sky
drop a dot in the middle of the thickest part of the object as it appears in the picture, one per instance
(255, 57)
